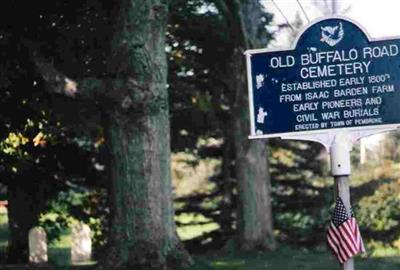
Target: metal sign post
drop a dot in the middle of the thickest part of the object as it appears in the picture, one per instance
(341, 169)
(342, 184)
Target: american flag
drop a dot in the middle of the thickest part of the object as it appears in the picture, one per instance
(343, 234)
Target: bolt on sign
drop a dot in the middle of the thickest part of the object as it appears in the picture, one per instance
(334, 78)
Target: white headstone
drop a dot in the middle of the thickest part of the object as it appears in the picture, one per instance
(81, 249)
(37, 245)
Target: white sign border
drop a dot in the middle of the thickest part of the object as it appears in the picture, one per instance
(318, 134)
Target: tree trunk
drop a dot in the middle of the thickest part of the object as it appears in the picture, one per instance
(226, 218)
(143, 233)
(143, 230)
(255, 227)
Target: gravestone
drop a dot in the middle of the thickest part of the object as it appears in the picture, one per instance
(37, 245)
(81, 249)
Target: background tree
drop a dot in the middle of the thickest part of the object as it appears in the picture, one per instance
(207, 40)
(255, 227)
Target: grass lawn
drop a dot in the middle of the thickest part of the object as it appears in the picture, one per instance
(3, 231)
(287, 258)
(186, 232)
(60, 251)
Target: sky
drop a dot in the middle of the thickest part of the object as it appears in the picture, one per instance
(380, 18)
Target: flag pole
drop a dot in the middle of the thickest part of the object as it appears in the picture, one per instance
(341, 169)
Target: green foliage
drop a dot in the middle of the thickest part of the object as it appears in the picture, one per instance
(57, 218)
(54, 225)
(12, 144)
(379, 214)
(76, 205)
(301, 224)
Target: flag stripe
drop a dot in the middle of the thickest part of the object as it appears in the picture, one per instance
(333, 242)
(334, 249)
(349, 238)
(340, 253)
(359, 242)
(343, 256)
(343, 236)
(356, 234)
(345, 242)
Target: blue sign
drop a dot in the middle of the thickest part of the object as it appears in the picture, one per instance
(335, 77)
